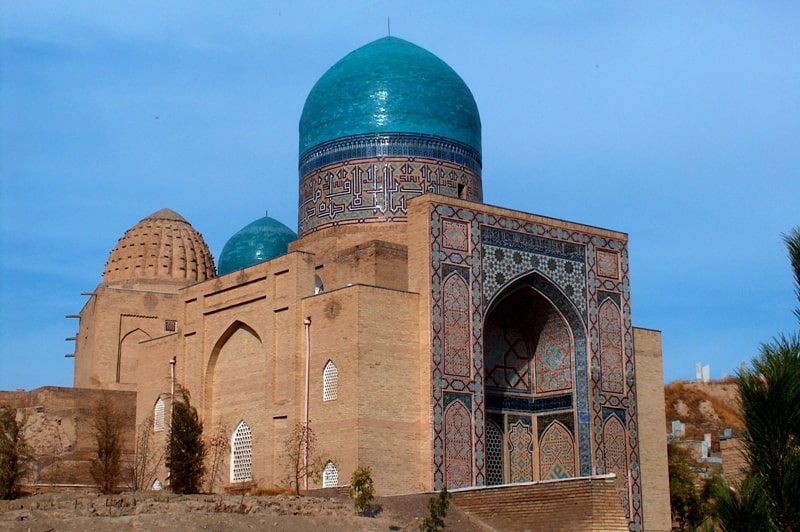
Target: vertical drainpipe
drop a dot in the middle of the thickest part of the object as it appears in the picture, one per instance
(172, 362)
(307, 324)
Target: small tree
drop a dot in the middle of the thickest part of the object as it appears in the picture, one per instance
(220, 445)
(106, 467)
(15, 454)
(768, 398)
(301, 447)
(362, 489)
(186, 450)
(438, 507)
(147, 458)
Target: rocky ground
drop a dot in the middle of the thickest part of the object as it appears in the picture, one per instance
(154, 511)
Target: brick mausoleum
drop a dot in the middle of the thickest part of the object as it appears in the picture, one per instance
(448, 342)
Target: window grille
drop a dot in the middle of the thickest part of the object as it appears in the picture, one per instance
(330, 476)
(330, 382)
(158, 416)
(170, 325)
(242, 454)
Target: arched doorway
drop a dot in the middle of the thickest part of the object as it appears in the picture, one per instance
(529, 376)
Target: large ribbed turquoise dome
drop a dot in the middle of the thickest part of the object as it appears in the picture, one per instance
(262, 240)
(390, 86)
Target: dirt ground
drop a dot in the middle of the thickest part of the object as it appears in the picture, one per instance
(153, 511)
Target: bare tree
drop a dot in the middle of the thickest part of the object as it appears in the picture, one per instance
(146, 459)
(106, 467)
(300, 446)
(220, 446)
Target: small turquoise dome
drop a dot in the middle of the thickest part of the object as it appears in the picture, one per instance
(262, 240)
(390, 86)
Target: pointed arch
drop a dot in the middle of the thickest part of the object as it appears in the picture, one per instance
(242, 453)
(330, 382)
(535, 312)
(330, 475)
(126, 362)
(609, 322)
(237, 348)
(159, 414)
(457, 445)
(556, 452)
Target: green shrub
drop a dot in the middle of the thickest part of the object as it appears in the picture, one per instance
(362, 490)
(438, 506)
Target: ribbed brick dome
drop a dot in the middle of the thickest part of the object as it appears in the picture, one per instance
(163, 246)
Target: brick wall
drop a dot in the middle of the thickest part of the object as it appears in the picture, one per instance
(59, 429)
(586, 504)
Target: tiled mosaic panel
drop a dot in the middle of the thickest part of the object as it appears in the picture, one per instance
(458, 444)
(610, 328)
(520, 451)
(456, 326)
(554, 356)
(507, 362)
(501, 266)
(556, 453)
(616, 456)
(607, 264)
(455, 235)
(363, 191)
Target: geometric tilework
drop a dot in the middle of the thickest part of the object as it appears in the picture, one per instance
(520, 452)
(607, 264)
(554, 356)
(556, 453)
(242, 454)
(611, 370)
(456, 326)
(501, 266)
(507, 355)
(458, 444)
(455, 235)
(615, 456)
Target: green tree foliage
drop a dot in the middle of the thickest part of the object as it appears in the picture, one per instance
(437, 506)
(362, 489)
(743, 509)
(106, 466)
(792, 241)
(691, 497)
(186, 450)
(769, 395)
(15, 455)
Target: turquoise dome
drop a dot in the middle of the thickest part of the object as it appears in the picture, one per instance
(390, 86)
(262, 240)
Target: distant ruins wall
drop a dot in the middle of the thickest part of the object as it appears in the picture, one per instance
(59, 429)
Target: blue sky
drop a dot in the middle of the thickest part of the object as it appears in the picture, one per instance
(675, 122)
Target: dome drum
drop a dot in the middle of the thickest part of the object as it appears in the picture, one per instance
(369, 191)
